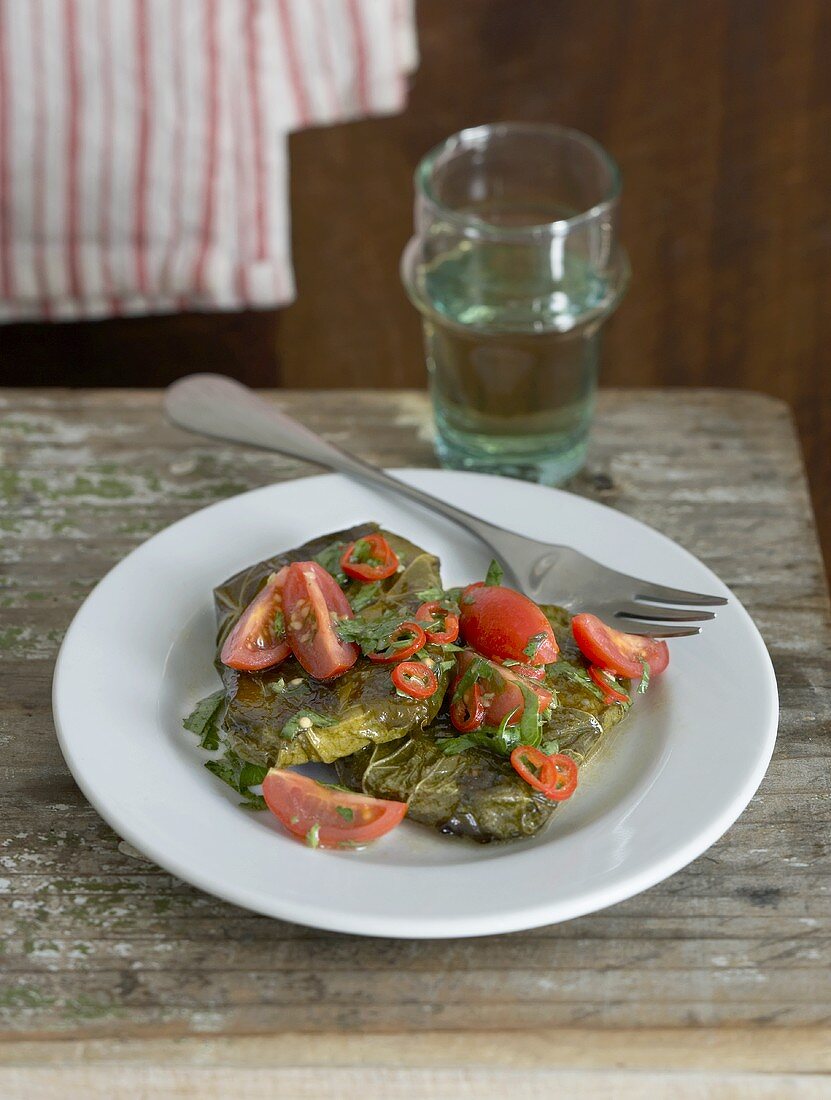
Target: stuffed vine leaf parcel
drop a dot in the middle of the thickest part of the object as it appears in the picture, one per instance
(469, 709)
(264, 721)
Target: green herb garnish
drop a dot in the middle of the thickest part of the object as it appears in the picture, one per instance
(578, 676)
(644, 684)
(365, 595)
(478, 669)
(530, 732)
(279, 624)
(313, 836)
(240, 775)
(428, 595)
(371, 634)
(205, 719)
(495, 574)
(362, 553)
(345, 812)
(329, 557)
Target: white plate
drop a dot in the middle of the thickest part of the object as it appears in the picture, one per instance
(667, 784)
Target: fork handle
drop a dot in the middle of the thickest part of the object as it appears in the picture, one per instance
(214, 405)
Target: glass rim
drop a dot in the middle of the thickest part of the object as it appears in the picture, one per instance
(471, 135)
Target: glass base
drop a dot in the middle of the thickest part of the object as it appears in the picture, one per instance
(546, 469)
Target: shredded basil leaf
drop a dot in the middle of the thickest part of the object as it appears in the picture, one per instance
(370, 632)
(345, 812)
(486, 737)
(365, 595)
(529, 724)
(313, 836)
(329, 558)
(428, 595)
(576, 676)
(502, 739)
(362, 553)
(644, 684)
(240, 775)
(279, 624)
(495, 574)
(478, 669)
(205, 719)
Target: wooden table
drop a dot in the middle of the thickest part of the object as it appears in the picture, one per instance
(119, 980)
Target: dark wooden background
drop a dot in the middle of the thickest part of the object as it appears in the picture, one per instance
(719, 112)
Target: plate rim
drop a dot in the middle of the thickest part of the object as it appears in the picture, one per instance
(425, 927)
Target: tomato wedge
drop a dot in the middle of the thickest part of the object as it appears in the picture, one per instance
(501, 693)
(370, 558)
(415, 679)
(467, 713)
(611, 693)
(404, 641)
(325, 817)
(258, 639)
(555, 776)
(313, 603)
(505, 625)
(615, 651)
(433, 615)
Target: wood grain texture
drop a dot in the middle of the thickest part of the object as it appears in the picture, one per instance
(718, 112)
(714, 969)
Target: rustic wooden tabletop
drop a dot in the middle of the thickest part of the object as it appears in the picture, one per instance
(118, 979)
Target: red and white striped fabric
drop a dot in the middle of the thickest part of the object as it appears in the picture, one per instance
(143, 143)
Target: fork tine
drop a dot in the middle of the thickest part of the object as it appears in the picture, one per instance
(650, 613)
(646, 590)
(656, 630)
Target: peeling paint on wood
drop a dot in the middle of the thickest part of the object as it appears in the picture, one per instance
(99, 943)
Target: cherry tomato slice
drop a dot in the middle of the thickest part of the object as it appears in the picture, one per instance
(312, 605)
(468, 712)
(428, 613)
(397, 648)
(255, 643)
(611, 694)
(615, 651)
(555, 777)
(501, 691)
(325, 817)
(377, 559)
(505, 625)
(415, 679)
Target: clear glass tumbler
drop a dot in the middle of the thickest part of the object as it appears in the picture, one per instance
(515, 265)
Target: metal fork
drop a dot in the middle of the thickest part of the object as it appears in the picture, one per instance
(217, 406)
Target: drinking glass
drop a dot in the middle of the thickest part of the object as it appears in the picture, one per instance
(515, 265)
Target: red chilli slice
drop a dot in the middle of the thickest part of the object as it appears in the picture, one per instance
(415, 679)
